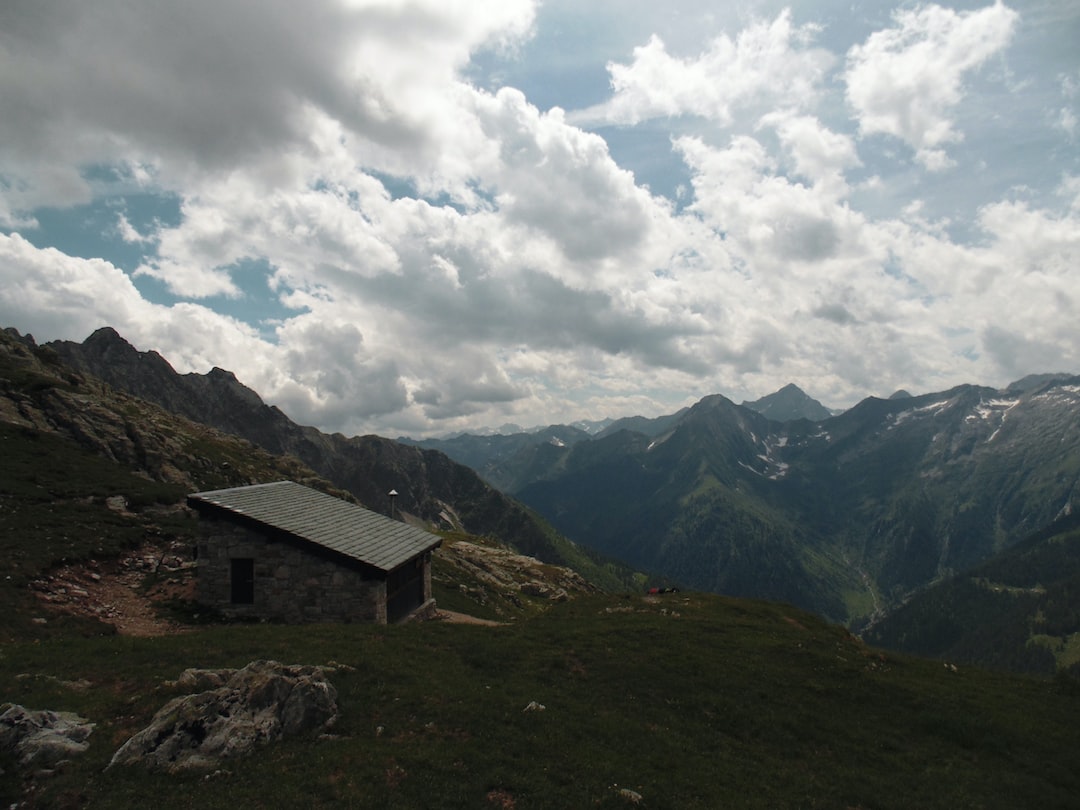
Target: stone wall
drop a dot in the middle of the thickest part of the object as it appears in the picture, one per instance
(291, 585)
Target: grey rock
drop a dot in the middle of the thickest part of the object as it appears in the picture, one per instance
(42, 738)
(253, 706)
(202, 680)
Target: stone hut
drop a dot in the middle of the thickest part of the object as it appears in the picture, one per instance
(287, 552)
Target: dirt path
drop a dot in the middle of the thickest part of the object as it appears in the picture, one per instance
(116, 591)
(133, 613)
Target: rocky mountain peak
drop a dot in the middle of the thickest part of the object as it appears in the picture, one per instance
(1033, 381)
(105, 349)
(105, 336)
(788, 404)
(217, 373)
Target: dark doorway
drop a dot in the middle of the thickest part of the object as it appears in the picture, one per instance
(404, 590)
(242, 579)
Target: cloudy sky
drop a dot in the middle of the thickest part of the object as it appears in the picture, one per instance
(427, 216)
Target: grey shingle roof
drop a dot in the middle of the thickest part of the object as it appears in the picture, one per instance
(324, 520)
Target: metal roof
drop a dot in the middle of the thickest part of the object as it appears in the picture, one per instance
(324, 520)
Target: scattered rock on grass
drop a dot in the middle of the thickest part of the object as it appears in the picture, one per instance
(631, 796)
(263, 702)
(42, 738)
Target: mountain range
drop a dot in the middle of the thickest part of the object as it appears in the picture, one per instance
(847, 515)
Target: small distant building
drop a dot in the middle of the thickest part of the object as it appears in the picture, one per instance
(287, 552)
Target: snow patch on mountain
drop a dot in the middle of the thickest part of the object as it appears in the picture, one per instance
(987, 410)
(1062, 393)
(930, 409)
(775, 468)
(992, 411)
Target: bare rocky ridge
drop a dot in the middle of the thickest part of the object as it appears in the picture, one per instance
(45, 394)
(789, 404)
(501, 582)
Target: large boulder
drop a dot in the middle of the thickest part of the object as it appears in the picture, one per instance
(239, 709)
(41, 738)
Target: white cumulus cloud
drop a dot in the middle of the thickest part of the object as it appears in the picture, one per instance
(906, 80)
(767, 62)
(361, 209)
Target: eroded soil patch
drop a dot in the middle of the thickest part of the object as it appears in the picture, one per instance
(124, 592)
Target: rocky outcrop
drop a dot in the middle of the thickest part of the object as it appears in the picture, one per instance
(39, 391)
(237, 711)
(42, 738)
(504, 571)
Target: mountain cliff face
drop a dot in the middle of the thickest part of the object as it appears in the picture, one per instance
(42, 395)
(687, 504)
(509, 461)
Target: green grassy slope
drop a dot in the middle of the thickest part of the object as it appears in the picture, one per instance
(54, 510)
(690, 701)
(1018, 611)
